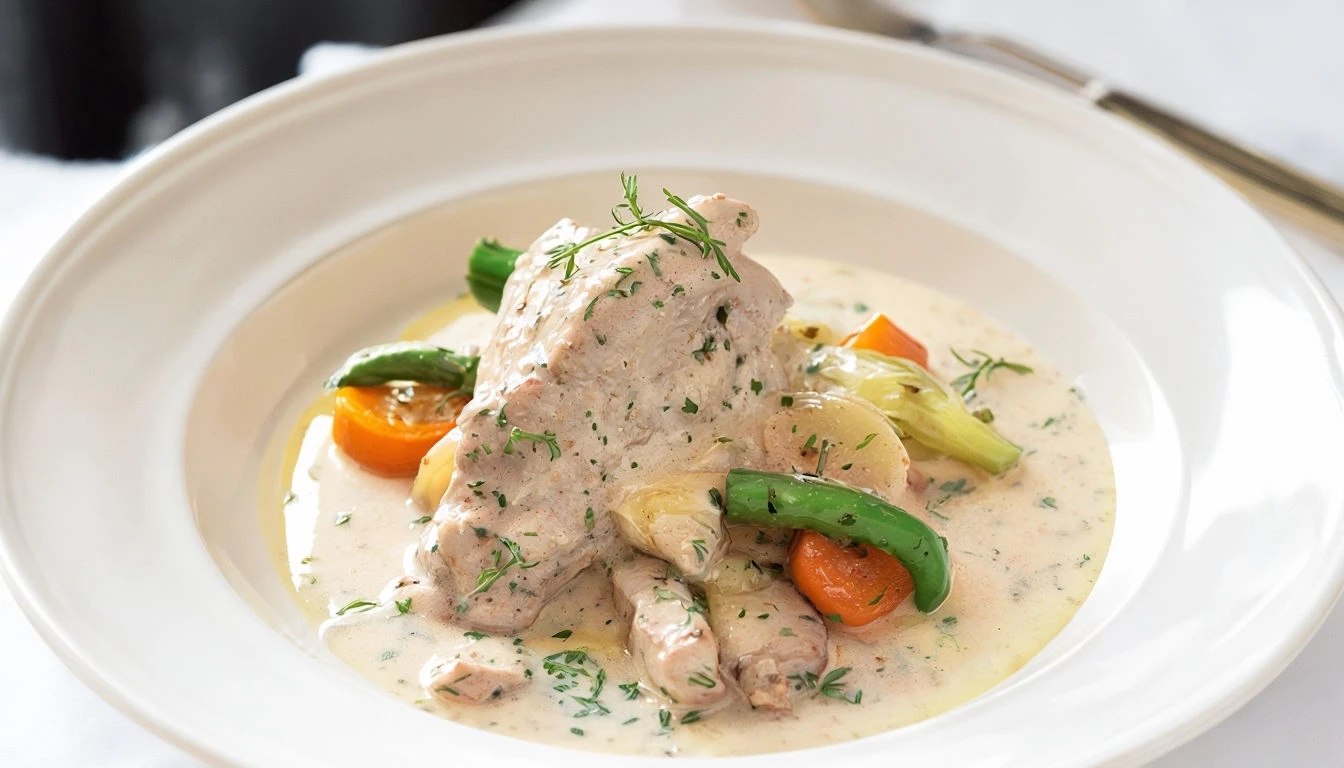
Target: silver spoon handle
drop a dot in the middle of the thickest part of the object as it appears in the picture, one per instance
(1309, 202)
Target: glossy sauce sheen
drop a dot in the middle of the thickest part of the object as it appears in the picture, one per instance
(1026, 548)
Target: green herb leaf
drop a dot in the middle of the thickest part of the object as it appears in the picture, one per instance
(487, 578)
(696, 232)
(701, 551)
(547, 438)
(703, 680)
(357, 606)
(982, 365)
(832, 687)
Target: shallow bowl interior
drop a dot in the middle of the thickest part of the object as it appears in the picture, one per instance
(205, 294)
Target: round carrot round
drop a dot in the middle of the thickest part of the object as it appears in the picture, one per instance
(854, 584)
(390, 429)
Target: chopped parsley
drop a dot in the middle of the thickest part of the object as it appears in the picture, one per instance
(706, 350)
(571, 666)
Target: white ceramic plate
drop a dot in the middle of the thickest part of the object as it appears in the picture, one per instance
(181, 322)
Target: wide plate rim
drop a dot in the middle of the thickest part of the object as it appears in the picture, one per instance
(1199, 714)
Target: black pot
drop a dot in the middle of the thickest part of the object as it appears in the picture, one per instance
(104, 78)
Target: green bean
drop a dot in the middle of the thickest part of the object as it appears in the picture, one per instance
(412, 361)
(488, 269)
(777, 500)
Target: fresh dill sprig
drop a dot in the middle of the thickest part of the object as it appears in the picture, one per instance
(982, 364)
(487, 578)
(567, 667)
(696, 232)
(547, 437)
(832, 687)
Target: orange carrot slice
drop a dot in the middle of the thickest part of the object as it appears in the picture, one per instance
(854, 584)
(881, 335)
(390, 429)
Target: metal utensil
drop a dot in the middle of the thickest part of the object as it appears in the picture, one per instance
(1289, 193)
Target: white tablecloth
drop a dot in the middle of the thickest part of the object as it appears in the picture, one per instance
(1272, 77)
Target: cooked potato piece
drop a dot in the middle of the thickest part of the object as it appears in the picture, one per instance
(769, 547)
(678, 520)
(841, 438)
(736, 574)
(436, 470)
(810, 332)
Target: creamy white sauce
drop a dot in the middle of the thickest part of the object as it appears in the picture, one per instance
(1026, 546)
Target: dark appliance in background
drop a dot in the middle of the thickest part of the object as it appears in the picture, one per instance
(84, 79)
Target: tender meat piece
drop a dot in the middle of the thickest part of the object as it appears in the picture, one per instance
(767, 637)
(678, 519)
(476, 672)
(669, 635)
(622, 374)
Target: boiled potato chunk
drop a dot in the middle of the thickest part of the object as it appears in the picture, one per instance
(737, 574)
(809, 332)
(838, 437)
(677, 519)
(436, 471)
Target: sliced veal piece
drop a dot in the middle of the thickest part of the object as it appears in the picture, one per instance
(670, 637)
(475, 672)
(771, 639)
(596, 379)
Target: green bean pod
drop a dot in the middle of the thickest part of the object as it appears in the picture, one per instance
(412, 361)
(777, 500)
(488, 270)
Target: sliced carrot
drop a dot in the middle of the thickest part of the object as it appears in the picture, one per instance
(879, 334)
(390, 429)
(855, 584)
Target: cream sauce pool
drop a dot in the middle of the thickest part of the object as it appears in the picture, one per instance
(1026, 547)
